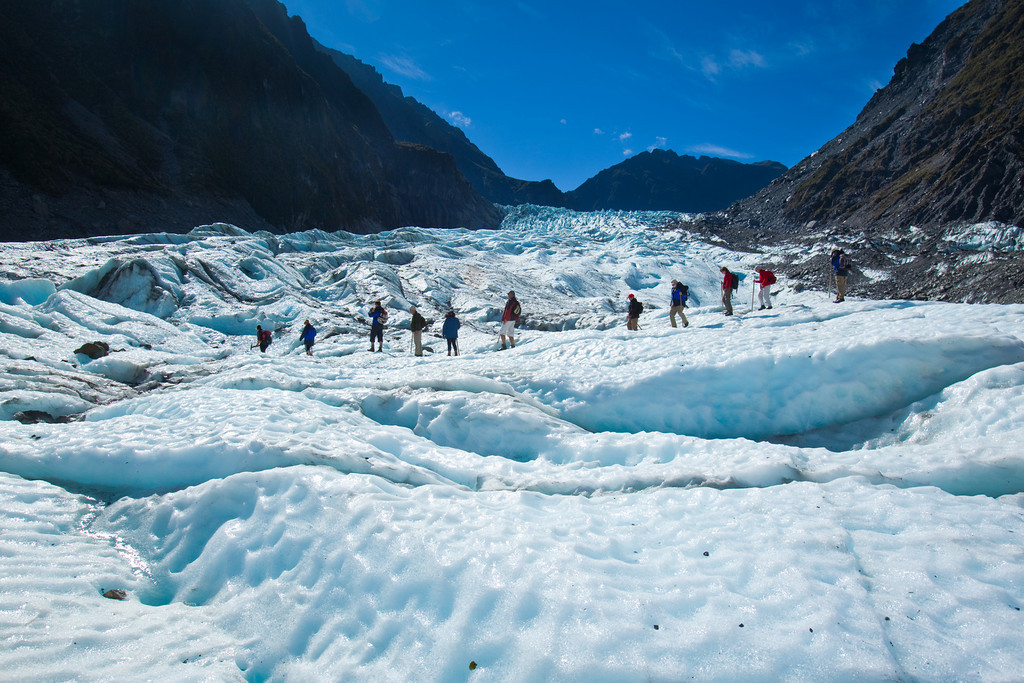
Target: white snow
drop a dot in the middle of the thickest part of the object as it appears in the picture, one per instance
(814, 492)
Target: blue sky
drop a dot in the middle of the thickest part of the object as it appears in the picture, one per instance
(563, 89)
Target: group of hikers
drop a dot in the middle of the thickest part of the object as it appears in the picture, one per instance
(510, 316)
(379, 316)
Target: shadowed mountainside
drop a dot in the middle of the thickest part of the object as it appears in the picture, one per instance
(124, 116)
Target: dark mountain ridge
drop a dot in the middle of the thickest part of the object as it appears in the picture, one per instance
(662, 180)
(125, 115)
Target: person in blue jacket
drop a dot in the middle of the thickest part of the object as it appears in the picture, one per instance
(450, 331)
(307, 336)
(679, 295)
(378, 316)
(841, 265)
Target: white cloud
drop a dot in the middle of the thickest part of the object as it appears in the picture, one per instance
(404, 66)
(459, 119)
(718, 151)
(563, 122)
(627, 152)
(659, 143)
(625, 136)
(598, 131)
(710, 68)
(744, 58)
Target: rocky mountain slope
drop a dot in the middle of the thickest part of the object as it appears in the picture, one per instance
(124, 115)
(938, 150)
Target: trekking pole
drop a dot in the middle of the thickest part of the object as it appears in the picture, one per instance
(829, 278)
(753, 289)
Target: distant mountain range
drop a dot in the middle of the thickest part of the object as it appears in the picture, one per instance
(659, 180)
(122, 116)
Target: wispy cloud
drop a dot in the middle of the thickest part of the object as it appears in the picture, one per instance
(404, 66)
(718, 151)
(459, 119)
(659, 143)
(625, 136)
(598, 131)
(627, 152)
(531, 11)
(710, 68)
(743, 58)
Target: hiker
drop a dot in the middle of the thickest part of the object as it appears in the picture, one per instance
(509, 318)
(263, 338)
(680, 292)
(729, 282)
(418, 324)
(450, 331)
(766, 279)
(841, 265)
(378, 317)
(307, 336)
(633, 314)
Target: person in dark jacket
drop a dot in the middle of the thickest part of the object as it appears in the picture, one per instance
(307, 336)
(841, 265)
(633, 314)
(678, 303)
(727, 277)
(450, 331)
(263, 338)
(378, 316)
(417, 325)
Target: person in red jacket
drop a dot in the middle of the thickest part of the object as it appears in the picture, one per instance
(727, 287)
(509, 318)
(766, 279)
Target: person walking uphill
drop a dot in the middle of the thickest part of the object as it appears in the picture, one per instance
(633, 313)
(307, 336)
(841, 265)
(680, 292)
(263, 338)
(509, 318)
(417, 325)
(450, 331)
(766, 279)
(378, 316)
(729, 282)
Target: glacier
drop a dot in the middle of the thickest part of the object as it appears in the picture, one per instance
(813, 492)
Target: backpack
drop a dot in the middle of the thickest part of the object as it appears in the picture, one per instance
(768, 278)
(735, 283)
(844, 262)
(516, 310)
(265, 336)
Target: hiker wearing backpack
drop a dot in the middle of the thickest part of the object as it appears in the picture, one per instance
(766, 279)
(417, 325)
(730, 282)
(509, 318)
(633, 315)
(450, 332)
(378, 316)
(680, 292)
(263, 338)
(841, 265)
(307, 336)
